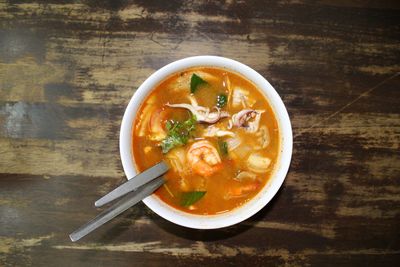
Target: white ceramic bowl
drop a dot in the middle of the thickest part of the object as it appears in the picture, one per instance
(263, 197)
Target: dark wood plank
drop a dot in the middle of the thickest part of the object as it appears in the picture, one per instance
(49, 209)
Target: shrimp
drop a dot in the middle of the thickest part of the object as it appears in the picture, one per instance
(240, 190)
(203, 158)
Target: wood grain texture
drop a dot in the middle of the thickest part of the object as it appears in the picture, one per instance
(69, 68)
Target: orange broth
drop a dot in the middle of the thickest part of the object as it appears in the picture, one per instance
(224, 189)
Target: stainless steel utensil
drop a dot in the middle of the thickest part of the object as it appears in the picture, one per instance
(133, 191)
(134, 183)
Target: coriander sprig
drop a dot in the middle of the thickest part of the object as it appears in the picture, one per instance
(178, 133)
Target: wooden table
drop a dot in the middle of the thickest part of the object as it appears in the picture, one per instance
(68, 70)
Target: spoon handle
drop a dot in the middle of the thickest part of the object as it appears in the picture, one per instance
(125, 203)
(132, 184)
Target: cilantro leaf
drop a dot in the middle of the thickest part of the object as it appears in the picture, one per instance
(170, 142)
(223, 147)
(178, 133)
(190, 198)
(222, 99)
(195, 82)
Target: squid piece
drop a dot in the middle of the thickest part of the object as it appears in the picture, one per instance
(257, 163)
(213, 131)
(202, 114)
(248, 119)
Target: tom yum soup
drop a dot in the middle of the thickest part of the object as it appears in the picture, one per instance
(217, 132)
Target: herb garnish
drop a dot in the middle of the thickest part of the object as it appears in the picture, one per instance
(178, 133)
(189, 198)
(223, 147)
(222, 99)
(195, 82)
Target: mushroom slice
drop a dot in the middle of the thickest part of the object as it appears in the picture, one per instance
(241, 98)
(263, 137)
(257, 163)
(233, 143)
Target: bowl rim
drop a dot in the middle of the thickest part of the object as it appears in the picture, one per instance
(278, 176)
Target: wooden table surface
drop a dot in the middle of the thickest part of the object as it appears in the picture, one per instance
(68, 70)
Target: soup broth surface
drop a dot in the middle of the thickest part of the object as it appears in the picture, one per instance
(221, 141)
